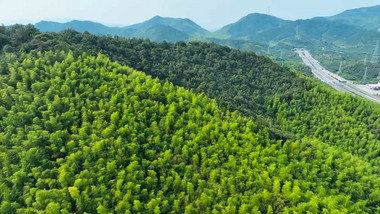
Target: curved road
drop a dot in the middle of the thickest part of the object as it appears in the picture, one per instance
(335, 81)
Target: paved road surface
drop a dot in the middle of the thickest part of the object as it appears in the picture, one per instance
(335, 81)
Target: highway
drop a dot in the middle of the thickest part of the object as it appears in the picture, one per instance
(334, 80)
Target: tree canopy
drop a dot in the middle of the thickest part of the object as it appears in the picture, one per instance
(211, 130)
(89, 135)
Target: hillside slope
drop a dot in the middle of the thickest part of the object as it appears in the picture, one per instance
(365, 17)
(253, 85)
(88, 135)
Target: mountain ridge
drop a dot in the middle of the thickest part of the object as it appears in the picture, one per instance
(364, 17)
(78, 25)
(182, 24)
(157, 28)
(250, 24)
(254, 27)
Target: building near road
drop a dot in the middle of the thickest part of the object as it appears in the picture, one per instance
(375, 86)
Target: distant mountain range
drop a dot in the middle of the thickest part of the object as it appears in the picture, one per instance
(352, 27)
(156, 29)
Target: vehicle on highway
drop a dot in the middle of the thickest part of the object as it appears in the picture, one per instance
(375, 87)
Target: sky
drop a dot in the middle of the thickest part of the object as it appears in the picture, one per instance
(210, 14)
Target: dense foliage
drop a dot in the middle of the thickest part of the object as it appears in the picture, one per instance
(238, 80)
(90, 119)
(342, 120)
(88, 135)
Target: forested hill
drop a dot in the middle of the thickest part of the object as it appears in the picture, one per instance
(288, 104)
(88, 135)
(331, 139)
(346, 38)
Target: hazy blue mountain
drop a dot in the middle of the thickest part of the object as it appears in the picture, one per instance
(159, 33)
(248, 32)
(365, 17)
(319, 30)
(184, 25)
(80, 26)
(156, 29)
(265, 29)
(249, 26)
